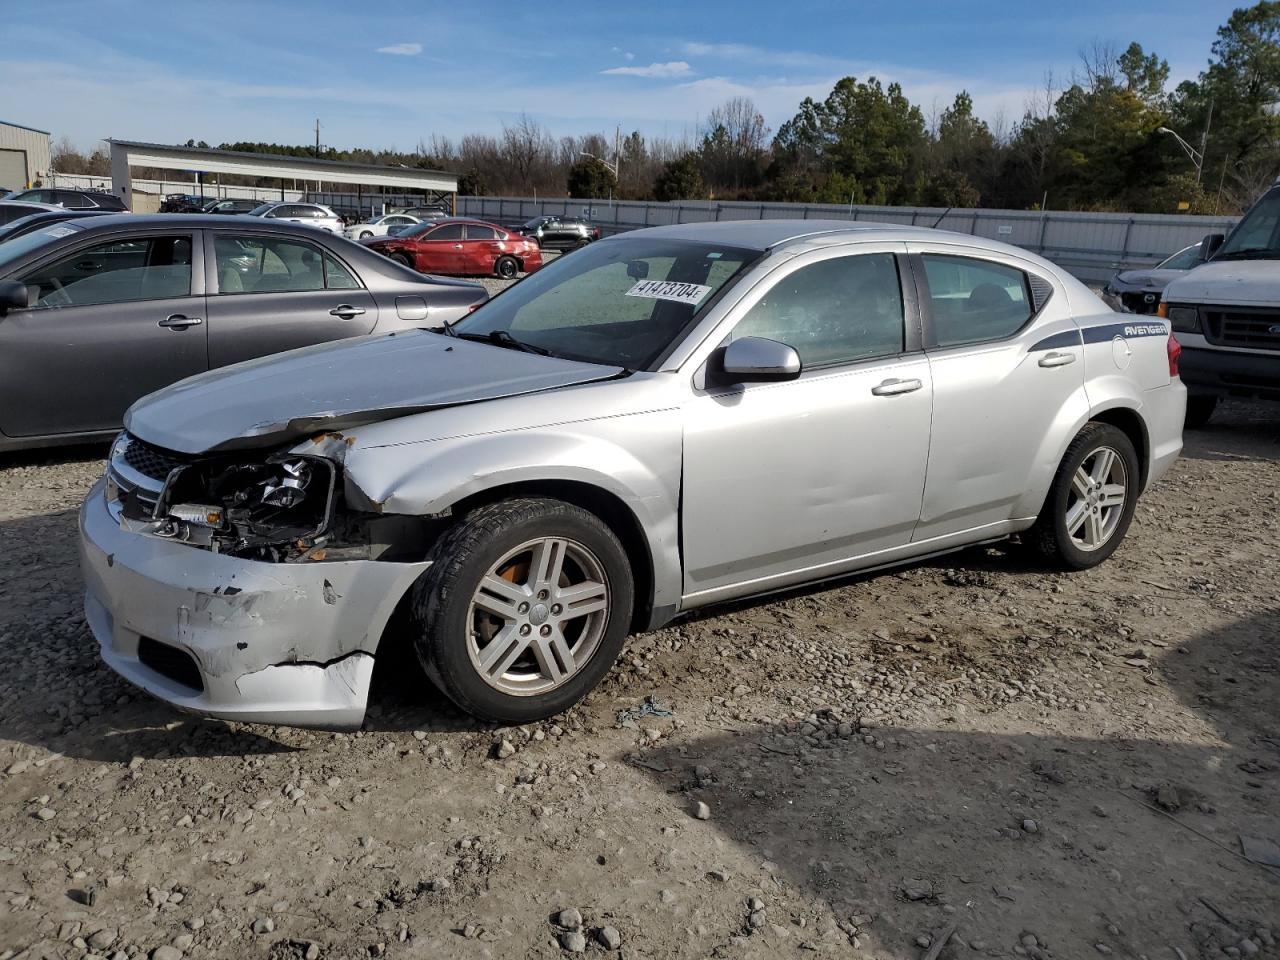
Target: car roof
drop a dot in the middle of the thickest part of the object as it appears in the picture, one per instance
(32, 204)
(771, 234)
(171, 220)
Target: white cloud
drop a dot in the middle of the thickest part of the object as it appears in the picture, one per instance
(401, 49)
(673, 68)
(628, 55)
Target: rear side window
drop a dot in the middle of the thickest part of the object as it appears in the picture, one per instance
(481, 233)
(145, 268)
(833, 311)
(973, 301)
(248, 264)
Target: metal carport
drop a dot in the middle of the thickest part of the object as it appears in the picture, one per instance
(435, 184)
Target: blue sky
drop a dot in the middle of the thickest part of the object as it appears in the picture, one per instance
(392, 73)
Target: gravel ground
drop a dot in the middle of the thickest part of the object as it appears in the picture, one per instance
(972, 750)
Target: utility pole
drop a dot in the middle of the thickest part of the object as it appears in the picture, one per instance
(317, 138)
(1204, 139)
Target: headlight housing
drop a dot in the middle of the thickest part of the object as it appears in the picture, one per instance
(283, 504)
(1183, 319)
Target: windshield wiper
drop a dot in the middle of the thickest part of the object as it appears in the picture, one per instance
(1249, 253)
(447, 329)
(502, 338)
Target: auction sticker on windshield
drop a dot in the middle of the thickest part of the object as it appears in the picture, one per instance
(669, 290)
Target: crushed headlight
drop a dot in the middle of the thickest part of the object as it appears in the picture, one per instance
(272, 508)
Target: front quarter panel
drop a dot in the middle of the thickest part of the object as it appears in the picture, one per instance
(427, 464)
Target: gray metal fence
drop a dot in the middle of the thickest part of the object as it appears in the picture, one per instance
(1092, 246)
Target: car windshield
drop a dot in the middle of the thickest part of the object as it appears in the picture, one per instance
(1258, 234)
(1184, 259)
(20, 246)
(261, 209)
(621, 303)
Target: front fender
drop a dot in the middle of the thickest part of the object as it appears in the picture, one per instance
(429, 478)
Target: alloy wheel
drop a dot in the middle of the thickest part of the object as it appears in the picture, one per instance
(537, 616)
(1096, 502)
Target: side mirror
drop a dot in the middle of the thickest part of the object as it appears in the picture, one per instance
(757, 360)
(1210, 244)
(637, 269)
(16, 296)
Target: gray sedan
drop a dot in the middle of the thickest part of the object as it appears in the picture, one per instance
(1138, 291)
(665, 419)
(97, 312)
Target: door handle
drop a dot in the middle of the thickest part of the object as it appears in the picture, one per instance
(178, 322)
(894, 386)
(457, 246)
(88, 265)
(1057, 359)
(346, 311)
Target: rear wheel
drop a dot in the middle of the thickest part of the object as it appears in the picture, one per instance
(1199, 410)
(506, 268)
(1091, 501)
(524, 609)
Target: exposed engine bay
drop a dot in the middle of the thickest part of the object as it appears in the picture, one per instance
(280, 508)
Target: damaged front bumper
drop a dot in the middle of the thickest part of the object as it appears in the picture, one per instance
(239, 639)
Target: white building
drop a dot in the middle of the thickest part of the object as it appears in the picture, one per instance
(24, 155)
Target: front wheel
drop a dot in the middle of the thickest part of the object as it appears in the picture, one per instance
(401, 259)
(1091, 501)
(506, 268)
(523, 610)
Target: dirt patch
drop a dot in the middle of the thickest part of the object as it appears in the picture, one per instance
(1020, 762)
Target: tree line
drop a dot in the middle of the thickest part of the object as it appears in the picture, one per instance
(1103, 139)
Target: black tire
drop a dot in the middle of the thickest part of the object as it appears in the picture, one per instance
(401, 259)
(365, 235)
(441, 604)
(1200, 409)
(506, 268)
(1049, 536)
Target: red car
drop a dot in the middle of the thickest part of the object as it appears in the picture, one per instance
(462, 248)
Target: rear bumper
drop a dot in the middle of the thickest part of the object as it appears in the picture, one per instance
(1165, 411)
(272, 643)
(1227, 373)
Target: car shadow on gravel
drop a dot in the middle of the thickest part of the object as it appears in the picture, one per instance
(1238, 431)
(1130, 840)
(54, 456)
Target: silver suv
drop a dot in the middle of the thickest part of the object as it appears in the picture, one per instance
(666, 419)
(308, 214)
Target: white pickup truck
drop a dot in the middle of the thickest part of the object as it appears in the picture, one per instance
(1226, 313)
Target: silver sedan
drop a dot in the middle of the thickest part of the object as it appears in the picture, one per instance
(663, 420)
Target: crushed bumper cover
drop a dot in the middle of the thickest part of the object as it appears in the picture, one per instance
(273, 643)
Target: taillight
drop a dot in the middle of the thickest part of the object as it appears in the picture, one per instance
(1162, 310)
(1175, 352)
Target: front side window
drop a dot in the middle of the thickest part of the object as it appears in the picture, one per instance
(973, 301)
(833, 311)
(145, 268)
(450, 231)
(248, 264)
(621, 303)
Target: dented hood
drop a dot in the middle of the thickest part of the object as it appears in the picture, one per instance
(274, 400)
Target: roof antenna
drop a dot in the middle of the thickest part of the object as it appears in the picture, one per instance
(941, 218)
